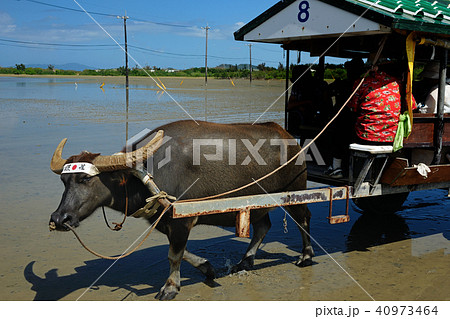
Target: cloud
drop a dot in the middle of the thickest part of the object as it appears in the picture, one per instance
(7, 25)
(63, 33)
(55, 29)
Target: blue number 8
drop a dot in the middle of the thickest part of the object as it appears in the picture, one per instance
(303, 15)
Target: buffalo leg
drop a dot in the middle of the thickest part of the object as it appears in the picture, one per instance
(260, 229)
(177, 233)
(302, 216)
(201, 264)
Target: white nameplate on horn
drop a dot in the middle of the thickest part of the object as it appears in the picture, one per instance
(86, 168)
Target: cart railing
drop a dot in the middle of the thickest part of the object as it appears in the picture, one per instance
(244, 204)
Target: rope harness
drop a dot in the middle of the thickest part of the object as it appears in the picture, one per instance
(118, 226)
(153, 203)
(124, 254)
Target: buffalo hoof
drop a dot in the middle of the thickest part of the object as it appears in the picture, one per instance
(245, 264)
(167, 293)
(208, 270)
(304, 262)
(306, 259)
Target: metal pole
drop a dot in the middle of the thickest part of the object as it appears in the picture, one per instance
(126, 72)
(206, 54)
(439, 127)
(321, 68)
(126, 51)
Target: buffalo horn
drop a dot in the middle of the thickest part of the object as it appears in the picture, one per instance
(112, 162)
(57, 163)
(129, 160)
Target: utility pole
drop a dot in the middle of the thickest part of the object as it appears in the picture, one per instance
(125, 17)
(126, 46)
(206, 54)
(251, 68)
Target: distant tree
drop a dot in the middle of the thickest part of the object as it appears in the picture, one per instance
(122, 70)
(280, 66)
(261, 67)
(51, 67)
(20, 67)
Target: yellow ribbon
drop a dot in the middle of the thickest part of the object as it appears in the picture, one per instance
(410, 51)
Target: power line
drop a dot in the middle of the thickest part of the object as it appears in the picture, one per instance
(70, 9)
(162, 23)
(76, 47)
(163, 52)
(269, 50)
(111, 45)
(108, 14)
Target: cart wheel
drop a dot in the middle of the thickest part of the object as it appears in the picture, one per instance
(381, 205)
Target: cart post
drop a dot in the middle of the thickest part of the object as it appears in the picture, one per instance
(439, 128)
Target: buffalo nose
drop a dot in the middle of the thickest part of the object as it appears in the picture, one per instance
(57, 220)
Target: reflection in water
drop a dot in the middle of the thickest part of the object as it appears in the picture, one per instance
(206, 103)
(370, 230)
(127, 90)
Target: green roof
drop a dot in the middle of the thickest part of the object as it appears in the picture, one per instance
(431, 16)
(413, 15)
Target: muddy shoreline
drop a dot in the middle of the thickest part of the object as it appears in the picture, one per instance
(404, 257)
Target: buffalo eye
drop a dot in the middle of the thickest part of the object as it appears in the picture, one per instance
(85, 179)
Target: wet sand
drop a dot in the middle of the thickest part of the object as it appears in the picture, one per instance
(404, 257)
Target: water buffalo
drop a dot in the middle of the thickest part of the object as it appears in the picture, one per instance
(219, 157)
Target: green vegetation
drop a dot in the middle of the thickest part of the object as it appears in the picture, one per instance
(21, 69)
(224, 71)
(261, 71)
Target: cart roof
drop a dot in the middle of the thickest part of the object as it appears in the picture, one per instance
(299, 20)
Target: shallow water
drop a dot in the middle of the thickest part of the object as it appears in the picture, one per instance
(403, 257)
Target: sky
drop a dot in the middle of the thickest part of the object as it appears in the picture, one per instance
(160, 33)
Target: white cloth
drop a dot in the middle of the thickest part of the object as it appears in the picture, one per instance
(86, 168)
(431, 100)
(423, 169)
